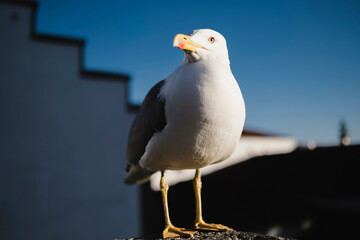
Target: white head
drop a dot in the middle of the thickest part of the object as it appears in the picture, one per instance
(203, 45)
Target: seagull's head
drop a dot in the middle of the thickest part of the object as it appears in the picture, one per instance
(202, 45)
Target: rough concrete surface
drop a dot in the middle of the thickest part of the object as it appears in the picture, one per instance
(229, 235)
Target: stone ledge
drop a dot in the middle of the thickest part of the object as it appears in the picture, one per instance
(229, 235)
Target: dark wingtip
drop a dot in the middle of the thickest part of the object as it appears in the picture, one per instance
(137, 175)
(127, 168)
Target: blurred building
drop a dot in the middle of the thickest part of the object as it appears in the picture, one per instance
(305, 194)
(63, 136)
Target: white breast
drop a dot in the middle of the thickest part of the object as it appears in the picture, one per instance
(205, 114)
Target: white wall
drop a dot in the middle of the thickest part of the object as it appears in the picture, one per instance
(62, 141)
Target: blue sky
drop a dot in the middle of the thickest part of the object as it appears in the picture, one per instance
(297, 62)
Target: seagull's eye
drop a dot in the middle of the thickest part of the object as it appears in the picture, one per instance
(211, 39)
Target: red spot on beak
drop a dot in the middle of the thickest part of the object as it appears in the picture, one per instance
(181, 45)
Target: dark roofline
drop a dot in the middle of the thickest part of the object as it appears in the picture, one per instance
(251, 133)
(21, 3)
(254, 134)
(111, 76)
(103, 74)
(55, 38)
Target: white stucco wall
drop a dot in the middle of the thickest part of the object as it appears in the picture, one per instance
(62, 142)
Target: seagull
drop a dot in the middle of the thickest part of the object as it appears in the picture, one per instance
(191, 119)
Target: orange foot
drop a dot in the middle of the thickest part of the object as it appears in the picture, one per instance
(171, 231)
(211, 227)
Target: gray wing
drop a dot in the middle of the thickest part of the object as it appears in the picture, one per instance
(150, 119)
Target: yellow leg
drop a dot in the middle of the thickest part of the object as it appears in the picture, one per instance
(170, 230)
(200, 224)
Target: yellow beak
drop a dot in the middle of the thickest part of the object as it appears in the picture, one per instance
(184, 42)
